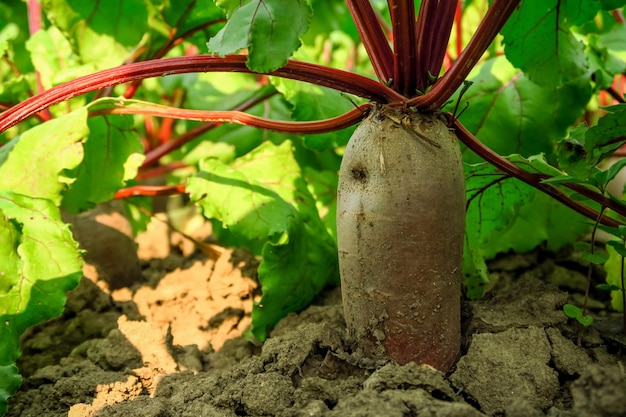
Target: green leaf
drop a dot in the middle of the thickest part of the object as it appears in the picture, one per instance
(538, 40)
(511, 114)
(54, 59)
(39, 263)
(261, 198)
(614, 231)
(564, 179)
(582, 247)
(607, 54)
(181, 15)
(572, 156)
(542, 220)
(613, 268)
(331, 18)
(612, 4)
(493, 200)
(113, 153)
(608, 175)
(572, 311)
(79, 161)
(137, 210)
(14, 33)
(578, 197)
(229, 6)
(608, 287)
(595, 258)
(614, 41)
(270, 29)
(323, 187)
(51, 150)
(14, 90)
(312, 102)
(608, 135)
(516, 215)
(475, 274)
(10, 381)
(505, 214)
(103, 32)
(215, 91)
(585, 320)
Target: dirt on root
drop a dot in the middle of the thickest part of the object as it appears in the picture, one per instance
(171, 345)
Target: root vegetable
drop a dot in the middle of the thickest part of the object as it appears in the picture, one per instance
(400, 227)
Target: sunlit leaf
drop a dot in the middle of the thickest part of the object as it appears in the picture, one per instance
(100, 39)
(270, 29)
(10, 381)
(263, 199)
(113, 153)
(14, 33)
(54, 59)
(613, 268)
(323, 188)
(51, 150)
(39, 263)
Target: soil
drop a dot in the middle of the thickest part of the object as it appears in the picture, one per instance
(171, 345)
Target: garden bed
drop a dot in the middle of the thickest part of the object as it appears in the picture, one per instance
(171, 345)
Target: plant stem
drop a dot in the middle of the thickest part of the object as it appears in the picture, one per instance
(595, 196)
(373, 37)
(592, 251)
(241, 118)
(302, 71)
(405, 65)
(155, 154)
(132, 88)
(534, 180)
(615, 95)
(34, 16)
(494, 20)
(458, 20)
(432, 44)
(618, 16)
(150, 191)
(160, 170)
(34, 25)
(623, 296)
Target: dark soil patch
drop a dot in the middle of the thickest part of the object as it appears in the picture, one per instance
(172, 346)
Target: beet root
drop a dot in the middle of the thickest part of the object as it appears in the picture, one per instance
(400, 229)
